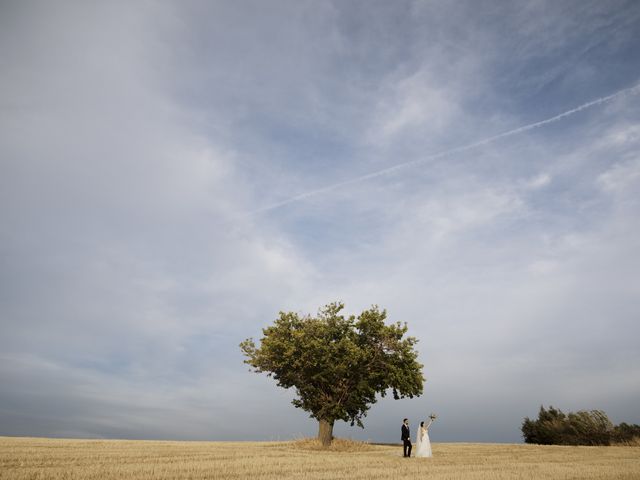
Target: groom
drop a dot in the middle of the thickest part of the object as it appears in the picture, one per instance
(406, 438)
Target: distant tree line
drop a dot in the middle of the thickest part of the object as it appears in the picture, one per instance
(554, 427)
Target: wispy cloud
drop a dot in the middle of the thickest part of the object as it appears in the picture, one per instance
(485, 141)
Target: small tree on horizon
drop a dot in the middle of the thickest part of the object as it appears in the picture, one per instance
(585, 427)
(337, 364)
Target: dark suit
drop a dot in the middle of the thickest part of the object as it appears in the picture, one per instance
(406, 440)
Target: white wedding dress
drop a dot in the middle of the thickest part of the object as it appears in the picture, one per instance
(423, 444)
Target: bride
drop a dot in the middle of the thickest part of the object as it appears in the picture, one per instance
(423, 444)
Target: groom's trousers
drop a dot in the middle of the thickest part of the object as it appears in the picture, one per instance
(407, 448)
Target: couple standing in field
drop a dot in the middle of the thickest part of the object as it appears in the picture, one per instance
(423, 444)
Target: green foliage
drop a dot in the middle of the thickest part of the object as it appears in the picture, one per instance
(547, 429)
(625, 433)
(553, 427)
(337, 364)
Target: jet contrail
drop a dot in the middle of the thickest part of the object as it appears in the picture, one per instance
(525, 128)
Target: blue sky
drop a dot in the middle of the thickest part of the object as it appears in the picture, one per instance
(173, 174)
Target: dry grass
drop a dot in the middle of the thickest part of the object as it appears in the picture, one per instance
(338, 445)
(38, 458)
(634, 442)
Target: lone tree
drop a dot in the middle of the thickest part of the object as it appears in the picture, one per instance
(337, 364)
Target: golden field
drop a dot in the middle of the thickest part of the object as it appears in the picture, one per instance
(42, 458)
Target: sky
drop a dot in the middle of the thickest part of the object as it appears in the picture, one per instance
(174, 174)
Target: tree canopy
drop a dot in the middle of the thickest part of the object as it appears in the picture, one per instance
(337, 364)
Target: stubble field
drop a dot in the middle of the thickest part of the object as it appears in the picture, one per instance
(39, 458)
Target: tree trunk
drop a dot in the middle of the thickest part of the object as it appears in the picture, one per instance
(325, 432)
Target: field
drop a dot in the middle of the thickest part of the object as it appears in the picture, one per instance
(40, 458)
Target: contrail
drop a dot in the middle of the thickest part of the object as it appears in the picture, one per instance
(525, 128)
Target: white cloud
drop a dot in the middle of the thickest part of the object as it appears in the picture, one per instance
(542, 267)
(621, 176)
(539, 181)
(416, 104)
